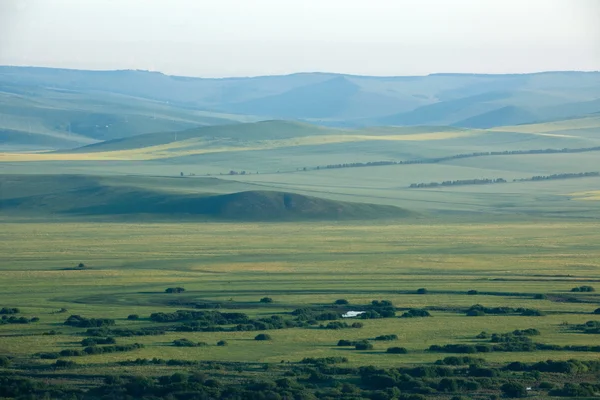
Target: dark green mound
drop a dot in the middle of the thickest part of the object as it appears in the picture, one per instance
(97, 196)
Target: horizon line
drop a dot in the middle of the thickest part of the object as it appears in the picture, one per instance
(295, 73)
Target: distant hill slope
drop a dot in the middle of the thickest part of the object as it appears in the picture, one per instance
(258, 131)
(45, 118)
(90, 196)
(81, 107)
(509, 115)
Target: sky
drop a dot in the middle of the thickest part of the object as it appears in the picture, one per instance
(217, 38)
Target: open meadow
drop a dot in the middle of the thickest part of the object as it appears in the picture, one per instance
(232, 266)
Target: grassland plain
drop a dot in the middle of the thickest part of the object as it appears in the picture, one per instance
(300, 264)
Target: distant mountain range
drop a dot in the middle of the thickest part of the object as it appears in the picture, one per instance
(57, 108)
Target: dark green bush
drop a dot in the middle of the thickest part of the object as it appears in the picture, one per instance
(387, 337)
(415, 313)
(341, 302)
(222, 343)
(133, 317)
(472, 292)
(266, 300)
(513, 390)
(422, 291)
(583, 289)
(397, 350)
(175, 290)
(363, 345)
(262, 336)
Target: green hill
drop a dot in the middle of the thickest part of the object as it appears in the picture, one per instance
(82, 196)
(258, 131)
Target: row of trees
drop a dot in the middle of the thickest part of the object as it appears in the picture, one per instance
(489, 181)
(461, 156)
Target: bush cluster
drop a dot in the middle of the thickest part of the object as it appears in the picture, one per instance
(82, 322)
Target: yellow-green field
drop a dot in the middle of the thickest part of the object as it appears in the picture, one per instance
(130, 265)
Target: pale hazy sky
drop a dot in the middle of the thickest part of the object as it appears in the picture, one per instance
(215, 38)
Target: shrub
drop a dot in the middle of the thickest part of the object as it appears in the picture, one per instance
(48, 356)
(262, 336)
(415, 313)
(222, 343)
(82, 322)
(187, 343)
(583, 289)
(530, 312)
(397, 350)
(387, 337)
(475, 313)
(133, 317)
(8, 310)
(597, 311)
(266, 300)
(4, 361)
(343, 342)
(363, 345)
(64, 364)
(422, 291)
(540, 296)
(513, 390)
(341, 302)
(175, 290)
(357, 325)
(472, 292)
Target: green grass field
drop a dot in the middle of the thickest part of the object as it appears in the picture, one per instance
(305, 264)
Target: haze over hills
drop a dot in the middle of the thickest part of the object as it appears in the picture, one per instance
(56, 108)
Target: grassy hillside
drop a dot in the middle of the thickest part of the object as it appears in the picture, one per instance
(47, 118)
(90, 196)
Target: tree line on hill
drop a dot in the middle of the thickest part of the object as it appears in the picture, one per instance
(487, 181)
(459, 156)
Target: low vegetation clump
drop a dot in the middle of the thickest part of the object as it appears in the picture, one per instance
(324, 360)
(91, 350)
(133, 317)
(174, 290)
(396, 350)
(82, 322)
(188, 343)
(387, 337)
(479, 310)
(363, 345)
(96, 341)
(341, 325)
(222, 343)
(592, 327)
(344, 342)
(415, 313)
(266, 300)
(422, 291)
(472, 292)
(17, 320)
(9, 310)
(583, 289)
(341, 302)
(125, 332)
(262, 336)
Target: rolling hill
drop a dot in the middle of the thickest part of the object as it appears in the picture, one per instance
(57, 108)
(67, 195)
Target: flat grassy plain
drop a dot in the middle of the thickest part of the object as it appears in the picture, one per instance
(298, 265)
